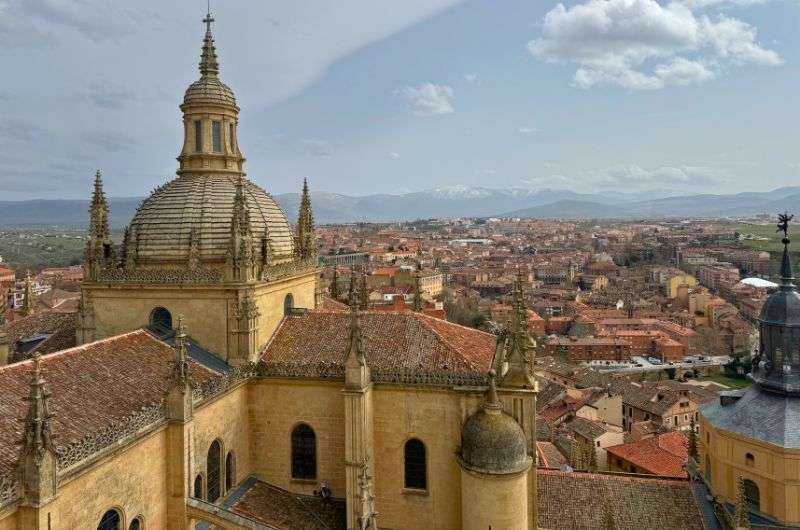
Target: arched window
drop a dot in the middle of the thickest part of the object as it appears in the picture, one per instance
(111, 520)
(415, 465)
(230, 472)
(749, 459)
(213, 471)
(161, 319)
(198, 487)
(304, 452)
(288, 304)
(752, 495)
(136, 524)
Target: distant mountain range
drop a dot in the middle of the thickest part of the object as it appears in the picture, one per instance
(457, 201)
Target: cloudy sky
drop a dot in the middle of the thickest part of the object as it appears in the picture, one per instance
(391, 96)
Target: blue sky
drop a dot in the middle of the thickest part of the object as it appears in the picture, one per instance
(384, 97)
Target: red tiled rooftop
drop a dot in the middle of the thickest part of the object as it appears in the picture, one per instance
(392, 340)
(133, 367)
(660, 455)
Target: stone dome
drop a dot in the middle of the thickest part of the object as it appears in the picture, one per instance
(203, 205)
(209, 90)
(493, 442)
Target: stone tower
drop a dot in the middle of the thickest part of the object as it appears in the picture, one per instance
(209, 244)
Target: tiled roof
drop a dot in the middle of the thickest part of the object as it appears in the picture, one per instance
(329, 304)
(576, 501)
(404, 340)
(278, 508)
(59, 326)
(549, 455)
(662, 454)
(135, 365)
(587, 428)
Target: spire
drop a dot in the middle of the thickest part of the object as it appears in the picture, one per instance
(787, 276)
(208, 59)
(179, 375)
(38, 459)
(179, 400)
(355, 344)
(519, 346)
(357, 373)
(27, 299)
(99, 253)
(305, 244)
(98, 213)
(36, 438)
(241, 258)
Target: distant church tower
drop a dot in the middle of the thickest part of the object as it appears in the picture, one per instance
(749, 441)
(209, 245)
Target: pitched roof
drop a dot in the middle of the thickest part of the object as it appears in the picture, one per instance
(283, 510)
(392, 340)
(135, 365)
(576, 501)
(57, 327)
(662, 454)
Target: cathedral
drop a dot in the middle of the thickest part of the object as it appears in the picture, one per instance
(215, 386)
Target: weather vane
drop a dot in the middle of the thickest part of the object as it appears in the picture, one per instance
(783, 223)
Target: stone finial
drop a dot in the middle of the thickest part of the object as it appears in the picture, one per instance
(38, 458)
(305, 241)
(241, 259)
(357, 374)
(491, 401)
(180, 406)
(27, 297)
(366, 500)
(519, 346)
(180, 364)
(99, 252)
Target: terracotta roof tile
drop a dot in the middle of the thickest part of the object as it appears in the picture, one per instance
(660, 455)
(132, 368)
(575, 501)
(392, 340)
(278, 508)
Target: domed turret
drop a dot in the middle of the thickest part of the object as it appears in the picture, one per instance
(492, 441)
(494, 468)
(777, 367)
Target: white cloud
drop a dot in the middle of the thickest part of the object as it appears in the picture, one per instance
(633, 176)
(528, 130)
(429, 99)
(641, 44)
(471, 78)
(394, 155)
